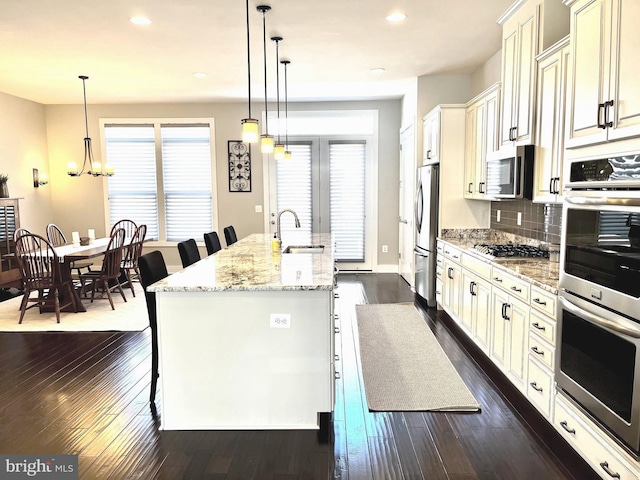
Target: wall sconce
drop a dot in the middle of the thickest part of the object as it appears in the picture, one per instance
(39, 178)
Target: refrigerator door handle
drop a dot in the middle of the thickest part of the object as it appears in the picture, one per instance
(419, 204)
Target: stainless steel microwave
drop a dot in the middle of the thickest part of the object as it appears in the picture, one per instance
(511, 176)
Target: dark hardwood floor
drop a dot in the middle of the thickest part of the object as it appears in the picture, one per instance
(87, 394)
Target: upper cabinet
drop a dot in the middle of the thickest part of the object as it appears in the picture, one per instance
(527, 28)
(553, 72)
(481, 139)
(431, 140)
(604, 98)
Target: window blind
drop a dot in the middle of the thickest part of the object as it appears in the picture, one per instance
(186, 173)
(294, 187)
(347, 198)
(133, 189)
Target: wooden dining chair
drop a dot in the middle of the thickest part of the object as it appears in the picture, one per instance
(108, 276)
(41, 272)
(152, 269)
(230, 235)
(189, 253)
(212, 242)
(57, 238)
(131, 254)
(129, 227)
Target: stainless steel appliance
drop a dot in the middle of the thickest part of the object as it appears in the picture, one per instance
(511, 176)
(426, 221)
(598, 361)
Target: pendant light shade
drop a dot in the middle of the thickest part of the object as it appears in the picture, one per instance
(89, 165)
(278, 149)
(287, 152)
(266, 140)
(249, 125)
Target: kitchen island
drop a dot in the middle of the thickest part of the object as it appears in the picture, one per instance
(246, 339)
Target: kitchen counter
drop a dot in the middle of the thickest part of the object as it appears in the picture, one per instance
(246, 339)
(539, 271)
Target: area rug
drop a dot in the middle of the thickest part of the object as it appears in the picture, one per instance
(404, 366)
(127, 316)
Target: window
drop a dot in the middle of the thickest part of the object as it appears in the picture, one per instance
(163, 177)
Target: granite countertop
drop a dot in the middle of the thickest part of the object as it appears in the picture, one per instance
(250, 264)
(539, 271)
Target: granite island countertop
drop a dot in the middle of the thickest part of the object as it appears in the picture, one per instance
(539, 271)
(250, 264)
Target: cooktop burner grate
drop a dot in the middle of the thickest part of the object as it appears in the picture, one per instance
(512, 250)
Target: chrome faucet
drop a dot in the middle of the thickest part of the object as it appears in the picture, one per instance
(280, 215)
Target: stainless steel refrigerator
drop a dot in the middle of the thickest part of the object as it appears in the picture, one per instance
(426, 221)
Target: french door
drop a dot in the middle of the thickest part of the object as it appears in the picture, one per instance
(327, 183)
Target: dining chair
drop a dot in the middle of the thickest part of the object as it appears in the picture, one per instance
(131, 254)
(19, 232)
(129, 227)
(57, 238)
(230, 235)
(189, 253)
(212, 242)
(152, 269)
(40, 269)
(108, 276)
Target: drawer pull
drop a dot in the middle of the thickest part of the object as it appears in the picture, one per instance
(336, 329)
(564, 425)
(516, 289)
(337, 376)
(535, 386)
(538, 326)
(534, 349)
(539, 302)
(336, 358)
(605, 467)
(497, 279)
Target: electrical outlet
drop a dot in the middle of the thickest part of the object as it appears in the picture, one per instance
(258, 208)
(280, 320)
(498, 212)
(519, 221)
(385, 248)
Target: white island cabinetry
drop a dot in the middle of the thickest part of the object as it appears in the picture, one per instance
(246, 339)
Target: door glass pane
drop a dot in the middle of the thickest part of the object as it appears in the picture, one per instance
(294, 191)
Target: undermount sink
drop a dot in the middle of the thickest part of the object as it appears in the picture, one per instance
(304, 249)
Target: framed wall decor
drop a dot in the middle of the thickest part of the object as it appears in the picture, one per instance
(239, 166)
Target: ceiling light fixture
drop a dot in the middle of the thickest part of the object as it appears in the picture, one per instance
(249, 124)
(140, 20)
(88, 165)
(396, 17)
(266, 140)
(287, 152)
(377, 71)
(278, 149)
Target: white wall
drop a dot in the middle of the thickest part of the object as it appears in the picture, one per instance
(488, 74)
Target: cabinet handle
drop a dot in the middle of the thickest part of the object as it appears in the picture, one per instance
(514, 288)
(605, 467)
(556, 188)
(336, 358)
(336, 329)
(551, 185)
(504, 311)
(512, 133)
(428, 154)
(497, 279)
(539, 302)
(565, 425)
(438, 292)
(535, 386)
(471, 286)
(608, 104)
(449, 270)
(469, 187)
(538, 326)
(600, 111)
(480, 190)
(534, 349)
(337, 375)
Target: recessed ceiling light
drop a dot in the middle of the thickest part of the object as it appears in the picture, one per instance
(377, 71)
(396, 17)
(200, 74)
(140, 20)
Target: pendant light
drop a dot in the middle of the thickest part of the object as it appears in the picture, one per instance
(88, 165)
(266, 140)
(278, 149)
(249, 125)
(287, 152)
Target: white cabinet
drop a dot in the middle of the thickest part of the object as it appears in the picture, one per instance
(527, 28)
(451, 282)
(553, 64)
(604, 102)
(431, 137)
(481, 139)
(475, 306)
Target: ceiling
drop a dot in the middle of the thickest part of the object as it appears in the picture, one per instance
(332, 45)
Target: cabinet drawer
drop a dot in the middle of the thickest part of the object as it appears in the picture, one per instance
(540, 388)
(541, 351)
(452, 252)
(439, 273)
(477, 266)
(439, 260)
(589, 443)
(543, 326)
(512, 285)
(439, 285)
(439, 246)
(543, 301)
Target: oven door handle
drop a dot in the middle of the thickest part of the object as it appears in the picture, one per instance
(627, 329)
(604, 200)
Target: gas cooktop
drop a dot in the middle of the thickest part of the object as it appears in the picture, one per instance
(511, 250)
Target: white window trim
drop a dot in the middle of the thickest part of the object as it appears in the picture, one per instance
(163, 121)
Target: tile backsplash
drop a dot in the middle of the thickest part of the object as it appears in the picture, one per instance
(539, 221)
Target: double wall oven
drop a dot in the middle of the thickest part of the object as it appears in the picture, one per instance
(598, 365)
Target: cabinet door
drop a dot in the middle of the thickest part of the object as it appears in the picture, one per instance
(431, 138)
(500, 329)
(526, 76)
(470, 152)
(625, 70)
(452, 289)
(481, 316)
(492, 140)
(468, 301)
(590, 40)
(509, 82)
(518, 345)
